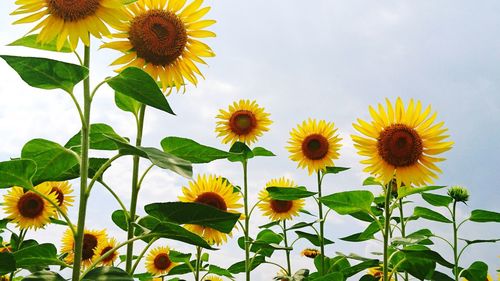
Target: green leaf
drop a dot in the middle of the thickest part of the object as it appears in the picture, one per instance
(192, 151)
(101, 136)
(44, 275)
(266, 242)
(120, 219)
(107, 273)
(437, 200)
(181, 269)
(240, 266)
(46, 73)
(213, 269)
(404, 191)
(300, 225)
(178, 256)
(37, 255)
(439, 276)
(260, 151)
(422, 233)
(94, 165)
(3, 225)
(477, 271)
(193, 213)
(17, 173)
(30, 41)
(52, 159)
(288, 194)
(334, 276)
(367, 234)
(350, 271)
(137, 84)
(371, 181)
(349, 202)
(418, 267)
(174, 231)
(127, 103)
(241, 152)
(271, 224)
(484, 216)
(479, 241)
(7, 263)
(313, 238)
(334, 170)
(421, 212)
(422, 252)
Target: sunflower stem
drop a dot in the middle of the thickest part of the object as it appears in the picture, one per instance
(387, 224)
(321, 226)
(84, 164)
(287, 252)
(135, 190)
(141, 255)
(198, 264)
(403, 229)
(455, 240)
(247, 221)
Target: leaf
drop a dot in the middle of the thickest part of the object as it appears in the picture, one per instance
(300, 225)
(193, 213)
(367, 234)
(94, 165)
(127, 103)
(288, 194)
(107, 273)
(477, 271)
(404, 191)
(437, 200)
(17, 173)
(213, 269)
(241, 152)
(271, 224)
(52, 159)
(7, 263)
(350, 271)
(120, 219)
(240, 266)
(420, 268)
(439, 276)
(371, 181)
(334, 170)
(192, 151)
(313, 238)
(418, 251)
(478, 241)
(44, 275)
(101, 138)
(334, 276)
(46, 73)
(266, 242)
(37, 255)
(137, 84)
(30, 41)
(174, 231)
(260, 151)
(484, 216)
(421, 212)
(349, 202)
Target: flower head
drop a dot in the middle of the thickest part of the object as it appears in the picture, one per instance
(103, 248)
(92, 239)
(62, 191)
(279, 209)
(158, 261)
(310, 253)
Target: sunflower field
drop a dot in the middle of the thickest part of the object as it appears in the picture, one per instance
(307, 150)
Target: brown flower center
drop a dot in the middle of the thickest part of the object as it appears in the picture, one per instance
(212, 199)
(30, 205)
(89, 244)
(108, 258)
(242, 122)
(315, 146)
(400, 145)
(59, 194)
(281, 206)
(162, 261)
(158, 36)
(73, 10)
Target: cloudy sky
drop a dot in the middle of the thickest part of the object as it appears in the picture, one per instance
(324, 59)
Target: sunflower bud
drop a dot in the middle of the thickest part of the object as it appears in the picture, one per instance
(310, 253)
(459, 193)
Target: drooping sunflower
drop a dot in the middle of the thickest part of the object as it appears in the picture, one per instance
(162, 37)
(310, 253)
(61, 189)
(212, 278)
(92, 239)
(103, 248)
(216, 192)
(158, 261)
(402, 143)
(314, 145)
(244, 121)
(73, 19)
(279, 209)
(28, 209)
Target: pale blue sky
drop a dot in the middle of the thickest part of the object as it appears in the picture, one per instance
(323, 59)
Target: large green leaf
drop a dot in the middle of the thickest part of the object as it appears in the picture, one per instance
(107, 273)
(137, 84)
(349, 202)
(44, 276)
(239, 267)
(288, 194)
(192, 151)
(367, 234)
(31, 41)
(17, 173)
(37, 255)
(334, 276)
(421, 212)
(175, 232)
(350, 271)
(241, 152)
(439, 276)
(119, 217)
(437, 200)
(313, 238)
(213, 269)
(94, 165)
(423, 269)
(404, 191)
(334, 170)
(52, 159)
(7, 263)
(46, 73)
(260, 151)
(127, 103)
(266, 242)
(100, 135)
(477, 271)
(193, 213)
(423, 252)
(484, 216)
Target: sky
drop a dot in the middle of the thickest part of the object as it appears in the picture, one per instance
(323, 59)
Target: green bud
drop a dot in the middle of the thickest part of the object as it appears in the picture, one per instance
(459, 193)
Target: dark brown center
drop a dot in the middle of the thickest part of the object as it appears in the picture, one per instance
(400, 145)
(242, 122)
(73, 10)
(162, 261)
(212, 199)
(104, 251)
(158, 36)
(281, 206)
(59, 194)
(89, 245)
(315, 146)
(30, 205)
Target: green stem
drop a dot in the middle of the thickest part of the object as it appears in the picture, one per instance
(139, 257)
(403, 230)
(101, 170)
(115, 196)
(135, 190)
(387, 224)
(321, 227)
(198, 264)
(288, 263)
(455, 241)
(247, 221)
(84, 164)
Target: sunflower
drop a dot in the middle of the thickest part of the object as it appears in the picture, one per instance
(377, 272)
(212, 278)
(61, 189)
(75, 19)
(279, 209)
(92, 239)
(310, 253)
(103, 248)
(28, 209)
(402, 143)
(216, 192)
(158, 261)
(5, 278)
(314, 145)
(161, 36)
(244, 121)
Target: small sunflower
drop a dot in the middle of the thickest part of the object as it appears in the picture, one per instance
(377, 272)
(216, 192)
(212, 278)
(5, 277)
(158, 261)
(310, 253)
(279, 209)
(61, 189)
(92, 239)
(314, 145)
(103, 248)
(75, 19)
(28, 209)
(402, 143)
(161, 36)
(244, 121)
